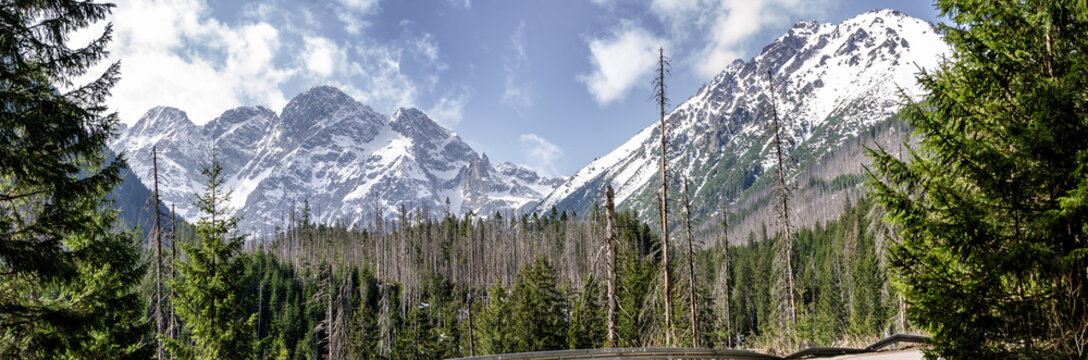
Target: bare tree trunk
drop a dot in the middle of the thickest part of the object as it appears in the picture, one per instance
(724, 275)
(784, 204)
(330, 290)
(691, 268)
(902, 315)
(157, 231)
(471, 272)
(610, 238)
(659, 85)
(173, 328)
(260, 307)
(471, 336)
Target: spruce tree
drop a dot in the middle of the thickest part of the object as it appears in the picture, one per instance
(66, 276)
(538, 309)
(992, 209)
(587, 328)
(212, 296)
(494, 323)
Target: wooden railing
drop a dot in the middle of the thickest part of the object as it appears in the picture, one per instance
(700, 353)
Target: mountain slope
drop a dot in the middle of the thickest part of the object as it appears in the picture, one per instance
(833, 83)
(344, 159)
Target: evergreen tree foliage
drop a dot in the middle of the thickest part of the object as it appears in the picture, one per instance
(532, 316)
(841, 297)
(637, 266)
(67, 278)
(106, 288)
(365, 325)
(538, 308)
(429, 329)
(992, 209)
(494, 324)
(587, 323)
(213, 295)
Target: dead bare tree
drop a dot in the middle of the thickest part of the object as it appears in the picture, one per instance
(173, 328)
(691, 268)
(157, 233)
(610, 238)
(260, 311)
(723, 277)
(340, 328)
(330, 294)
(783, 206)
(471, 271)
(661, 99)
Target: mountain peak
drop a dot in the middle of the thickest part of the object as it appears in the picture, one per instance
(235, 116)
(324, 91)
(162, 119)
(165, 112)
(320, 102)
(413, 123)
(833, 83)
(346, 159)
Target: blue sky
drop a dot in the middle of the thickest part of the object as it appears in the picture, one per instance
(548, 84)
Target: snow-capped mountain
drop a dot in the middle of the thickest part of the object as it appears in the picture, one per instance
(832, 83)
(346, 160)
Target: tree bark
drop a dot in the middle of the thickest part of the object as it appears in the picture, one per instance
(725, 275)
(661, 100)
(610, 238)
(157, 231)
(691, 268)
(173, 328)
(784, 207)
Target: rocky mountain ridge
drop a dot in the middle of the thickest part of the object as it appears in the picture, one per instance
(833, 85)
(345, 160)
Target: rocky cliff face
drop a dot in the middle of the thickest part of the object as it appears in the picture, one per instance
(346, 160)
(832, 84)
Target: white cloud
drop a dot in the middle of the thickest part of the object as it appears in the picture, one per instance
(353, 23)
(516, 93)
(377, 70)
(426, 47)
(449, 110)
(728, 24)
(362, 7)
(175, 53)
(353, 14)
(542, 155)
(621, 60)
(322, 56)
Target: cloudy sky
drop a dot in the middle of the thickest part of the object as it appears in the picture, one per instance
(549, 84)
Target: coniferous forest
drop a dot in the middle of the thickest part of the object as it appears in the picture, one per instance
(977, 238)
(459, 286)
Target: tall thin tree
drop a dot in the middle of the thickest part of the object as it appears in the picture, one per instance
(723, 277)
(661, 99)
(610, 238)
(468, 291)
(158, 234)
(691, 268)
(172, 330)
(213, 289)
(783, 199)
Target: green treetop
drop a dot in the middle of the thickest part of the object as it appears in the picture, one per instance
(67, 277)
(212, 296)
(992, 210)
